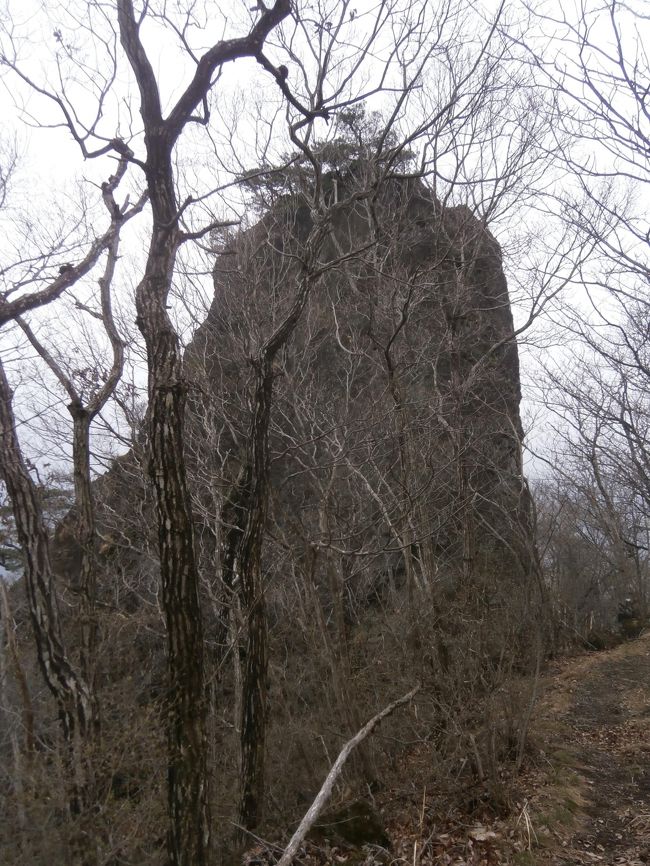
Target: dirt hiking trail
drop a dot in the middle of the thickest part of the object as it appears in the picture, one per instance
(591, 803)
(584, 797)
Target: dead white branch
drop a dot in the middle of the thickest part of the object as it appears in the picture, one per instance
(323, 795)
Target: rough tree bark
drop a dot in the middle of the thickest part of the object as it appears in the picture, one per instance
(249, 553)
(73, 698)
(188, 837)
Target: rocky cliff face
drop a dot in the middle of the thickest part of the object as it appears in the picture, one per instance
(396, 420)
(396, 436)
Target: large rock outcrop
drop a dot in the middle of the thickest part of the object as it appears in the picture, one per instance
(396, 419)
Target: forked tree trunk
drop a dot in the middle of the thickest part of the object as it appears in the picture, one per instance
(253, 499)
(188, 839)
(73, 691)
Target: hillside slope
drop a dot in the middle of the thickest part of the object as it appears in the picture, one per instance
(584, 797)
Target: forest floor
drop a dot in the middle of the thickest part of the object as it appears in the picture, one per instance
(582, 799)
(591, 803)
(585, 795)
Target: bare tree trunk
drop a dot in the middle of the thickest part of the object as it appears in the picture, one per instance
(86, 538)
(187, 774)
(408, 536)
(82, 417)
(467, 515)
(71, 692)
(246, 514)
(19, 673)
(253, 498)
(340, 671)
(188, 840)
(253, 722)
(337, 651)
(6, 636)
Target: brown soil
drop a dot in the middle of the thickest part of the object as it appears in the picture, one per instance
(585, 795)
(591, 802)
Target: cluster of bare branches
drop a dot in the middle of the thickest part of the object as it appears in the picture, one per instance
(597, 393)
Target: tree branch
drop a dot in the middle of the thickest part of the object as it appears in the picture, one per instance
(324, 794)
(223, 52)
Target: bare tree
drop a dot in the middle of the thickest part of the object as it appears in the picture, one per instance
(188, 788)
(83, 412)
(72, 689)
(597, 66)
(363, 322)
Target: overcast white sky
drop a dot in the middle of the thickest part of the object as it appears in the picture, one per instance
(51, 177)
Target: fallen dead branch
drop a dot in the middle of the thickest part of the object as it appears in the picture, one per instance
(323, 795)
